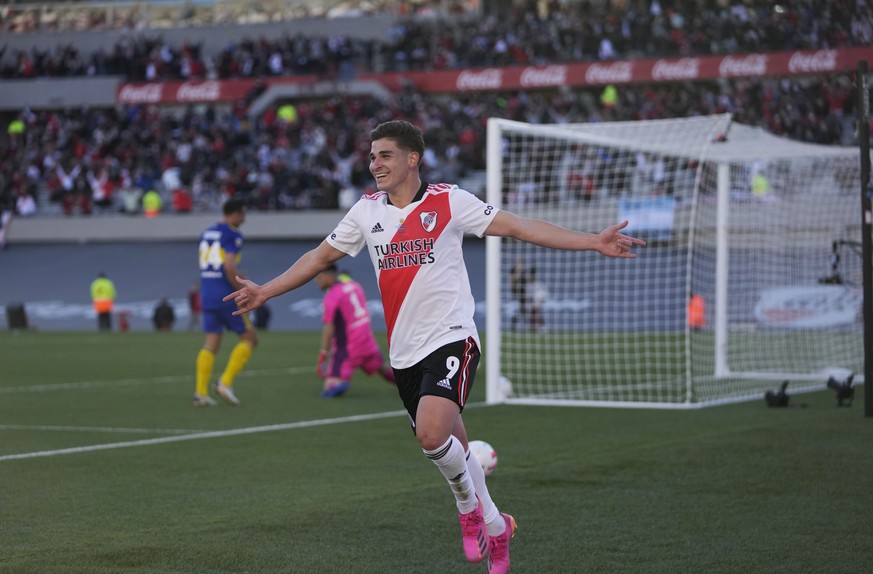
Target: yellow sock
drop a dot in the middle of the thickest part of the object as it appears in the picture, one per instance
(205, 360)
(239, 356)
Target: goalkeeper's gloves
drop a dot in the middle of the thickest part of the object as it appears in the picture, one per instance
(322, 359)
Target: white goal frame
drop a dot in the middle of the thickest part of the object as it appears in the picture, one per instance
(740, 144)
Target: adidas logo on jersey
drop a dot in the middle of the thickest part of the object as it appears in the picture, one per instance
(444, 383)
(376, 228)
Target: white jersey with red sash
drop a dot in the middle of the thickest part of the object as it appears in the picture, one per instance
(418, 257)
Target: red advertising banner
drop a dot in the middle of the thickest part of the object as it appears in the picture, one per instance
(648, 70)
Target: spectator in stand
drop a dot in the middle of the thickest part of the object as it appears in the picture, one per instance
(182, 201)
(25, 204)
(130, 199)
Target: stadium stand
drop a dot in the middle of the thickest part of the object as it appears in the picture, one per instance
(304, 151)
(529, 33)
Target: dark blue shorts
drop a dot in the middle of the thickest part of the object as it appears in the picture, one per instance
(217, 319)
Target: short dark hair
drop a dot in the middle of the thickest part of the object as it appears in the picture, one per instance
(232, 206)
(406, 135)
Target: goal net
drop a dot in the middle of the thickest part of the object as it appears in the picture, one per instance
(752, 275)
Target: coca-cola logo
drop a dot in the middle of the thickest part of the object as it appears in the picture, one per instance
(203, 92)
(751, 65)
(820, 61)
(617, 72)
(490, 79)
(548, 76)
(142, 94)
(683, 69)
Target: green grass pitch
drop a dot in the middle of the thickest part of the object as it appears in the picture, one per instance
(106, 468)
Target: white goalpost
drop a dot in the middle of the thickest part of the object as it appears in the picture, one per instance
(752, 276)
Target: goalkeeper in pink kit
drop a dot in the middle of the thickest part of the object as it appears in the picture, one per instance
(347, 336)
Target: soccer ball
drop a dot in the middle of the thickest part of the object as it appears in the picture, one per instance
(485, 454)
(505, 387)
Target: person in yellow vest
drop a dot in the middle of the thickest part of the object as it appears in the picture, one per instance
(103, 297)
(151, 203)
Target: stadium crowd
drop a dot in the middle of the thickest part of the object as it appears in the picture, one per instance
(556, 32)
(105, 160)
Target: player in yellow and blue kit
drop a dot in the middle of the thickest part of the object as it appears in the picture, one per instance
(219, 254)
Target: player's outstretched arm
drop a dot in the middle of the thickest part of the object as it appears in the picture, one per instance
(609, 242)
(251, 295)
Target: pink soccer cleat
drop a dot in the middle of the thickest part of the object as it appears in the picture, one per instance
(474, 535)
(498, 561)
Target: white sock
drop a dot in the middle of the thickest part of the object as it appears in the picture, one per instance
(452, 463)
(494, 521)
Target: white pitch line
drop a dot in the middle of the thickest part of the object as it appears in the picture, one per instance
(201, 435)
(139, 381)
(114, 430)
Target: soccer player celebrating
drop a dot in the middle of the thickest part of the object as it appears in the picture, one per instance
(347, 335)
(220, 252)
(413, 232)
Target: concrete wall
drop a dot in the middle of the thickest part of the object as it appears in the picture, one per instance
(812, 226)
(167, 227)
(58, 93)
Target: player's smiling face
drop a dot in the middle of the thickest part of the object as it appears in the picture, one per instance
(390, 165)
